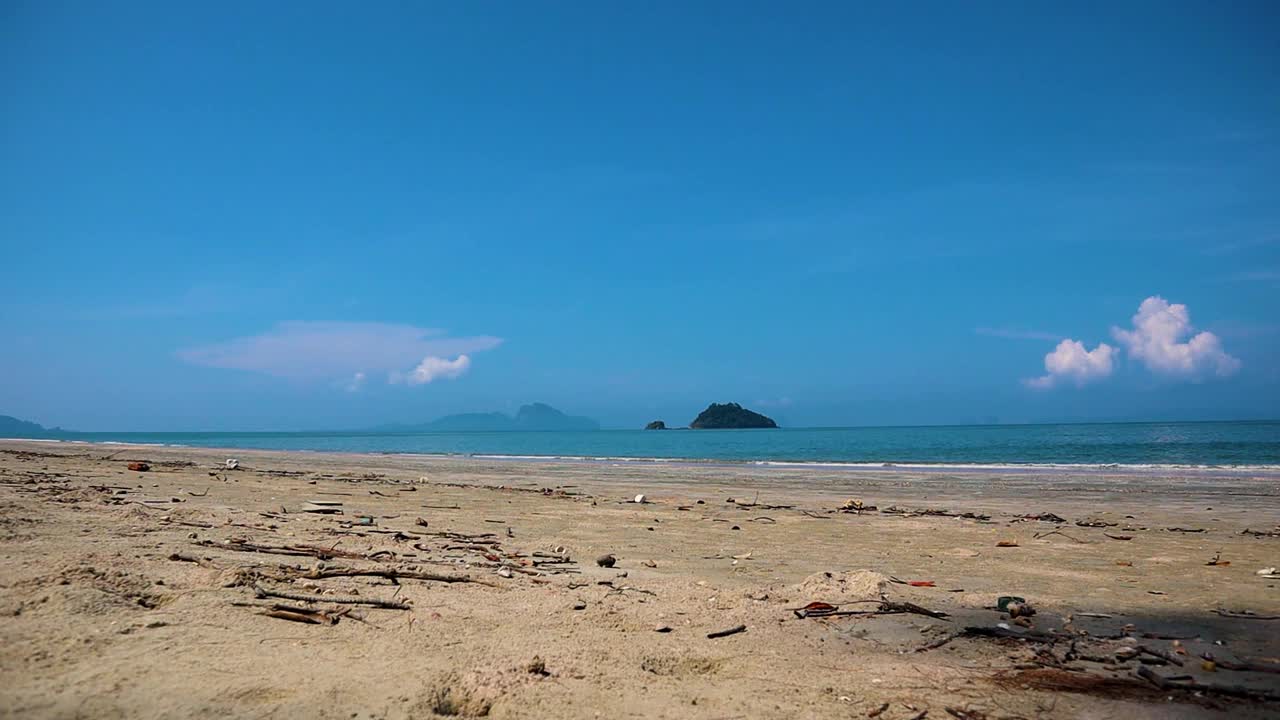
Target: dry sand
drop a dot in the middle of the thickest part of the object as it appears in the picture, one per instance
(100, 620)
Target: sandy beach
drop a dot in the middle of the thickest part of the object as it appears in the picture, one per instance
(166, 592)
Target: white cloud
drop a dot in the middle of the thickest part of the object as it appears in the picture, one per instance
(436, 368)
(1071, 362)
(334, 350)
(1154, 340)
(357, 382)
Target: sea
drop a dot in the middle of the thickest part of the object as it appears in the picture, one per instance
(1246, 445)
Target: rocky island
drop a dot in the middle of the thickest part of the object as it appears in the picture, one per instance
(730, 416)
(656, 425)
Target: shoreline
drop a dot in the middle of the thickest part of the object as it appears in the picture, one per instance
(1137, 469)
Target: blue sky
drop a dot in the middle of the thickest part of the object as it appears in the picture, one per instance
(304, 215)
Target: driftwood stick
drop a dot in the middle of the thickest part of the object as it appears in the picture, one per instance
(1245, 615)
(339, 599)
(725, 633)
(392, 574)
(185, 557)
(999, 632)
(1163, 683)
(1162, 654)
(308, 617)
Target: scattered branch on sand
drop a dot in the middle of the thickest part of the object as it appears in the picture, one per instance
(1164, 683)
(184, 557)
(725, 633)
(1249, 666)
(886, 607)
(1186, 530)
(1162, 654)
(315, 551)
(302, 615)
(1245, 615)
(393, 574)
(339, 599)
(186, 523)
(999, 632)
(1118, 537)
(1038, 536)
(936, 643)
(815, 517)
(1261, 533)
(932, 512)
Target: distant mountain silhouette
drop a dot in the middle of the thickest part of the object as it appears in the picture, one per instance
(538, 416)
(12, 427)
(730, 416)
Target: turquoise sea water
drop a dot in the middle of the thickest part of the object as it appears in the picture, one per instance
(1214, 444)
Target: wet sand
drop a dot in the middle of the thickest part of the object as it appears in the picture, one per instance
(135, 594)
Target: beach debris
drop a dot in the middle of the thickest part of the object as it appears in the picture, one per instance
(1095, 523)
(815, 609)
(1004, 601)
(579, 605)
(932, 512)
(1045, 517)
(1186, 530)
(1189, 685)
(962, 714)
(315, 551)
(261, 592)
(606, 561)
(390, 574)
(726, 633)
(649, 564)
(301, 615)
(323, 507)
(662, 628)
(853, 505)
(421, 522)
(878, 711)
(1003, 631)
(922, 583)
(639, 499)
(231, 464)
(1245, 614)
(1039, 536)
(1007, 543)
(139, 466)
(1268, 573)
(1261, 533)
(1118, 537)
(1217, 560)
(883, 607)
